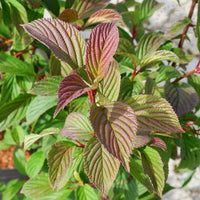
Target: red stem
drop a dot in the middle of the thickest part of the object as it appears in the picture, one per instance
(92, 96)
(80, 144)
(196, 70)
(21, 52)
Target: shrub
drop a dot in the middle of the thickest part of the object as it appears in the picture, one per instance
(101, 116)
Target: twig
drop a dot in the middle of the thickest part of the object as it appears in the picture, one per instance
(21, 52)
(187, 27)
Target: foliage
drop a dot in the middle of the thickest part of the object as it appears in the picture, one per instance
(101, 116)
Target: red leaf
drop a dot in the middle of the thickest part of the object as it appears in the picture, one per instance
(101, 47)
(71, 87)
(157, 142)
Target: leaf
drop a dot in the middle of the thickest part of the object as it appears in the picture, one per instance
(85, 192)
(109, 87)
(47, 86)
(87, 7)
(31, 138)
(52, 6)
(181, 96)
(19, 160)
(71, 87)
(12, 65)
(154, 114)
(149, 43)
(157, 142)
(35, 163)
(101, 47)
(11, 190)
(21, 101)
(38, 106)
(62, 38)
(18, 134)
(105, 16)
(115, 126)
(68, 15)
(77, 127)
(190, 153)
(100, 166)
(159, 56)
(35, 3)
(154, 168)
(39, 188)
(6, 12)
(125, 46)
(60, 158)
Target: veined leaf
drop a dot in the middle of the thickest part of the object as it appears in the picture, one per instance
(86, 8)
(31, 138)
(109, 87)
(115, 126)
(68, 15)
(77, 127)
(101, 47)
(125, 46)
(60, 158)
(38, 106)
(154, 168)
(105, 16)
(15, 66)
(154, 114)
(71, 87)
(7, 108)
(62, 38)
(47, 86)
(100, 166)
(159, 56)
(149, 43)
(86, 192)
(158, 142)
(39, 188)
(181, 96)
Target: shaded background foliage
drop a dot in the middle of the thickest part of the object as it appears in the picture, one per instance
(147, 70)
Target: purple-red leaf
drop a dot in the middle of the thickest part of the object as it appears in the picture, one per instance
(71, 87)
(62, 38)
(115, 126)
(105, 16)
(157, 142)
(101, 47)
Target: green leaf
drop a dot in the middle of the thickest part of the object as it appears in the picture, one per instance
(18, 134)
(4, 145)
(181, 96)
(12, 189)
(20, 102)
(154, 114)
(6, 12)
(109, 87)
(100, 166)
(105, 16)
(19, 160)
(149, 43)
(38, 106)
(35, 163)
(52, 6)
(87, 7)
(148, 7)
(35, 3)
(125, 46)
(47, 86)
(39, 188)
(77, 127)
(115, 126)
(15, 66)
(167, 72)
(30, 139)
(160, 55)
(60, 159)
(86, 192)
(198, 26)
(154, 168)
(70, 47)
(190, 153)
